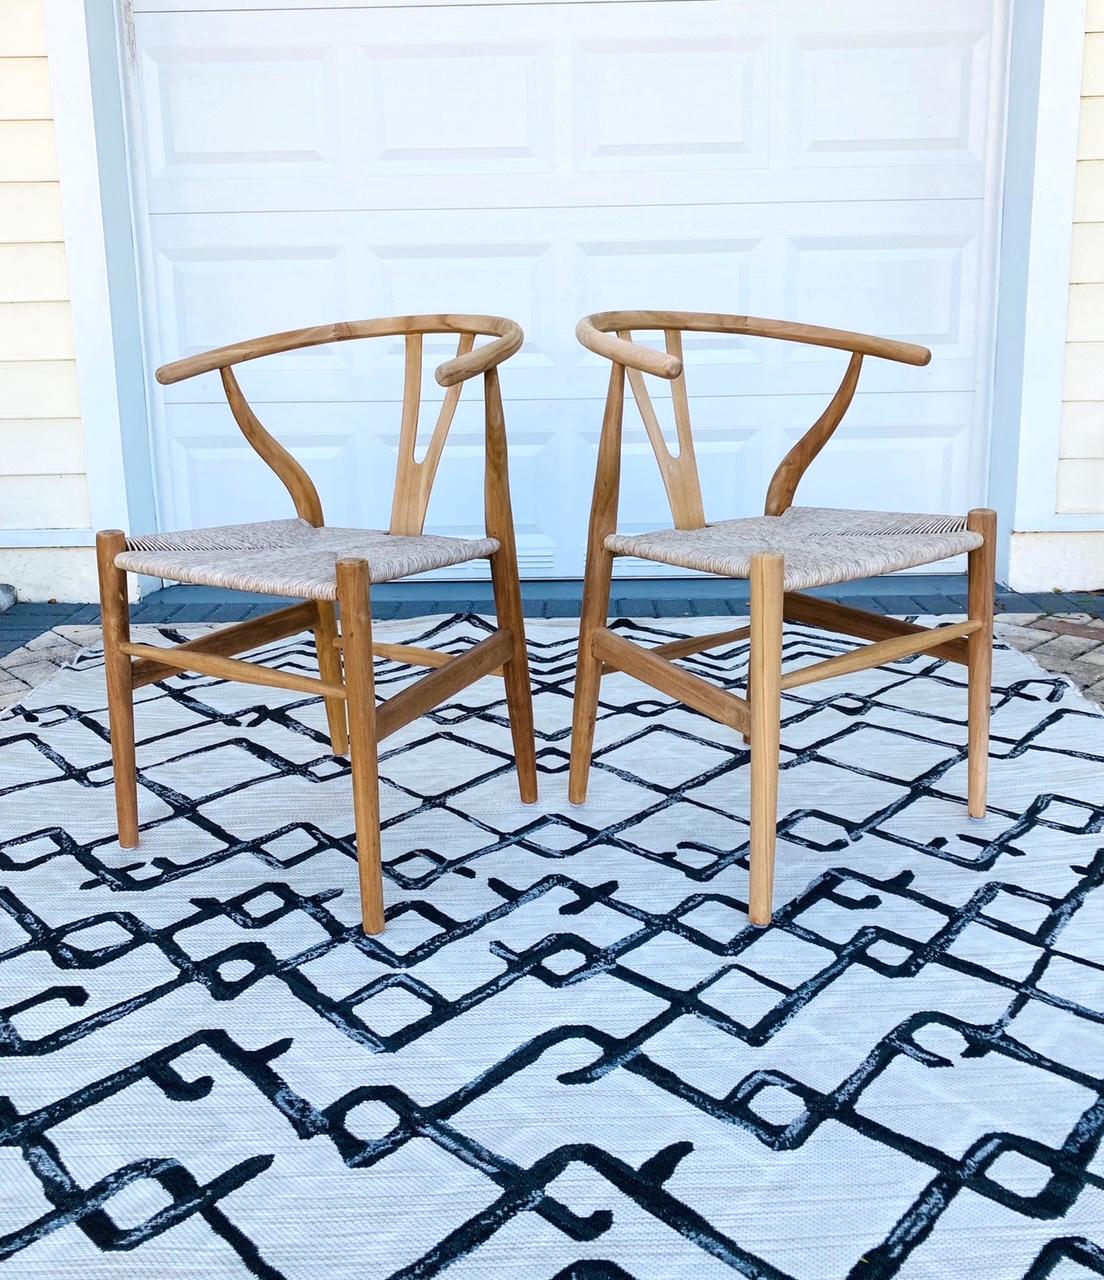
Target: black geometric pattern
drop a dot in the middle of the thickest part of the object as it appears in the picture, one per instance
(569, 1055)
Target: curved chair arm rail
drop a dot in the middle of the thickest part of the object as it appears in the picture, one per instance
(507, 334)
(598, 333)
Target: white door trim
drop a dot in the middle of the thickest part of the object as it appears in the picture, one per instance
(1047, 271)
(86, 254)
(1041, 169)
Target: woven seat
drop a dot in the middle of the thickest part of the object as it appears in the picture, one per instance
(821, 546)
(291, 557)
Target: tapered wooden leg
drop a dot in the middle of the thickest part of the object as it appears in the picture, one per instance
(519, 689)
(115, 613)
(979, 655)
(353, 593)
(766, 713)
(588, 671)
(329, 667)
(596, 586)
(507, 587)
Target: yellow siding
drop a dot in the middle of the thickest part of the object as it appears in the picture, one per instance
(22, 34)
(1081, 464)
(42, 480)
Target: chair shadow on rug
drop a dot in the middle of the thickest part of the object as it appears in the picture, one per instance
(325, 567)
(784, 552)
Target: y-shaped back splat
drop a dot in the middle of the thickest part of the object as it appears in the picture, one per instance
(414, 478)
(680, 475)
(679, 471)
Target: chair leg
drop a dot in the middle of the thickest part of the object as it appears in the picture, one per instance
(767, 571)
(519, 689)
(329, 667)
(588, 670)
(354, 596)
(979, 655)
(747, 694)
(115, 613)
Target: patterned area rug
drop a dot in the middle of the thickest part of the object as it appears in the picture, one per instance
(569, 1055)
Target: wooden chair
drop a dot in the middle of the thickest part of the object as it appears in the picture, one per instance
(303, 559)
(782, 552)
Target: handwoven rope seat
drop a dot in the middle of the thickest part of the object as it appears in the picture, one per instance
(822, 546)
(291, 557)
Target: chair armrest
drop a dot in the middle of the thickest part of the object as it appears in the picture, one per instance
(866, 344)
(630, 354)
(479, 360)
(508, 338)
(249, 349)
(598, 334)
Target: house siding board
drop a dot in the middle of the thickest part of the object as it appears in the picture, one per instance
(22, 33)
(35, 331)
(42, 446)
(30, 213)
(25, 89)
(1080, 479)
(43, 485)
(33, 273)
(43, 502)
(1087, 264)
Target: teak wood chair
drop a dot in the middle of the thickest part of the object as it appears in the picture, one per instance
(304, 559)
(783, 552)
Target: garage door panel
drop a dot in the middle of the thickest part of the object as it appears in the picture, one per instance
(927, 283)
(351, 451)
(545, 105)
(911, 274)
(625, 191)
(481, 277)
(215, 471)
(215, 294)
(913, 97)
(889, 445)
(242, 110)
(686, 104)
(828, 163)
(440, 109)
(890, 448)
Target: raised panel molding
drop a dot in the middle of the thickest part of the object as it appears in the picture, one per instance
(687, 273)
(919, 280)
(512, 279)
(438, 106)
(215, 471)
(909, 96)
(216, 294)
(692, 102)
(550, 105)
(270, 109)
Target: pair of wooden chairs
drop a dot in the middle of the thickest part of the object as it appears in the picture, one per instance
(783, 553)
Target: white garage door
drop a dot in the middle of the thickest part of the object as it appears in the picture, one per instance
(826, 162)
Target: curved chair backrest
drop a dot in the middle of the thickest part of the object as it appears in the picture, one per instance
(413, 478)
(609, 334)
